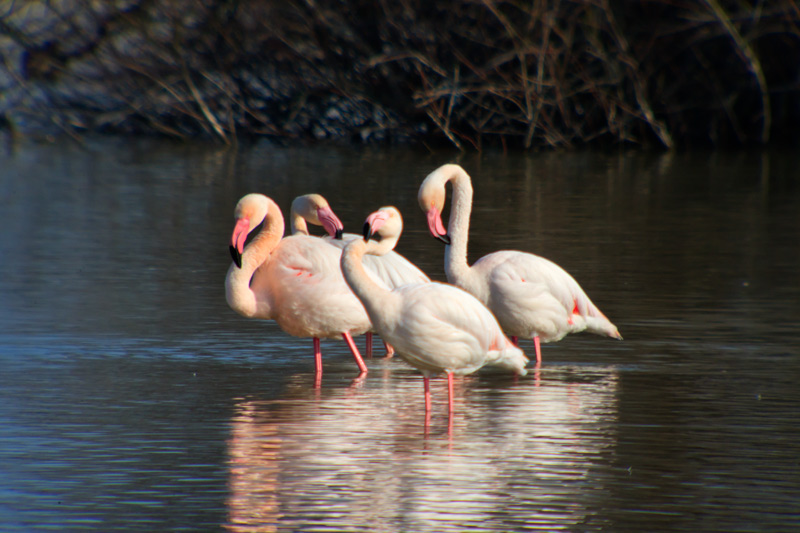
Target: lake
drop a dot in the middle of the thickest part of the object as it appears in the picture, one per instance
(133, 399)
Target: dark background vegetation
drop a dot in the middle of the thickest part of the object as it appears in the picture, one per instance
(470, 73)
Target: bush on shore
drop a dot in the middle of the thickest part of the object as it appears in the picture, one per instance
(471, 73)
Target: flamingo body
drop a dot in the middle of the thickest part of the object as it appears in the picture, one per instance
(437, 328)
(511, 283)
(308, 293)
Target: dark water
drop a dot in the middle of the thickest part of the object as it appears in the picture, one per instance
(132, 398)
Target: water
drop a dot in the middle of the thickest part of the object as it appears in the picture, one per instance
(133, 399)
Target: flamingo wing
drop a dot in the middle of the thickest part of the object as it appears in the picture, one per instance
(392, 269)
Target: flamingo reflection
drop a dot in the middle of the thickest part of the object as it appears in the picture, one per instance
(359, 457)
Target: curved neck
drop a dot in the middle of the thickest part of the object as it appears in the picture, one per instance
(383, 246)
(298, 224)
(238, 293)
(372, 295)
(455, 254)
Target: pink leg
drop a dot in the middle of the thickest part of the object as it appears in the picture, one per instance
(357, 356)
(426, 382)
(450, 391)
(538, 350)
(369, 344)
(389, 350)
(317, 357)
(515, 340)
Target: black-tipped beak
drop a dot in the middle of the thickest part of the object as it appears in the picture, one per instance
(444, 238)
(367, 231)
(237, 257)
(338, 235)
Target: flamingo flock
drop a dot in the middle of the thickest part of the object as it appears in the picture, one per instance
(344, 285)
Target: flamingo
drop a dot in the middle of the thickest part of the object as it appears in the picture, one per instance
(392, 268)
(435, 327)
(531, 296)
(295, 281)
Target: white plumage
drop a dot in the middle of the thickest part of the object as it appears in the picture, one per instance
(433, 326)
(390, 268)
(531, 296)
(295, 281)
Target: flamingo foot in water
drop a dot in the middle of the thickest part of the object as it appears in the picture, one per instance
(389, 350)
(357, 356)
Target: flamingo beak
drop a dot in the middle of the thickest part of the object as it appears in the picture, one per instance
(374, 223)
(436, 227)
(330, 222)
(237, 240)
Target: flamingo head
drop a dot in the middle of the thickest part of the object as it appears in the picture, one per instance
(386, 222)
(250, 211)
(316, 210)
(431, 200)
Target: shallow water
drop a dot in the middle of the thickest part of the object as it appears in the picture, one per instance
(132, 398)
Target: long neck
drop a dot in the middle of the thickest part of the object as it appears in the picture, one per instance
(455, 254)
(238, 293)
(298, 224)
(372, 295)
(383, 246)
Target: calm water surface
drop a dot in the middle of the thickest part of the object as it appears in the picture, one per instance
(132, 398)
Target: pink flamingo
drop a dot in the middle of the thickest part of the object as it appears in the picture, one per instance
(435, 327)
(391, 268)
(530, 295)
(295, 281)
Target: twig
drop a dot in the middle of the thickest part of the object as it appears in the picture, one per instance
(449, 135)
(539, 79)
(203, 107)
(657, 126)
(753, 63)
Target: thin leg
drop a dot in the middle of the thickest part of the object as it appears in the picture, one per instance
(357, 356)
(538, 350)
(515, 340)
(369, 344)
(317, 357)
(426, 382)
(389, 350)
(450, 391)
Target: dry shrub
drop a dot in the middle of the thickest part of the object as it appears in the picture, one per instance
(471, 73)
